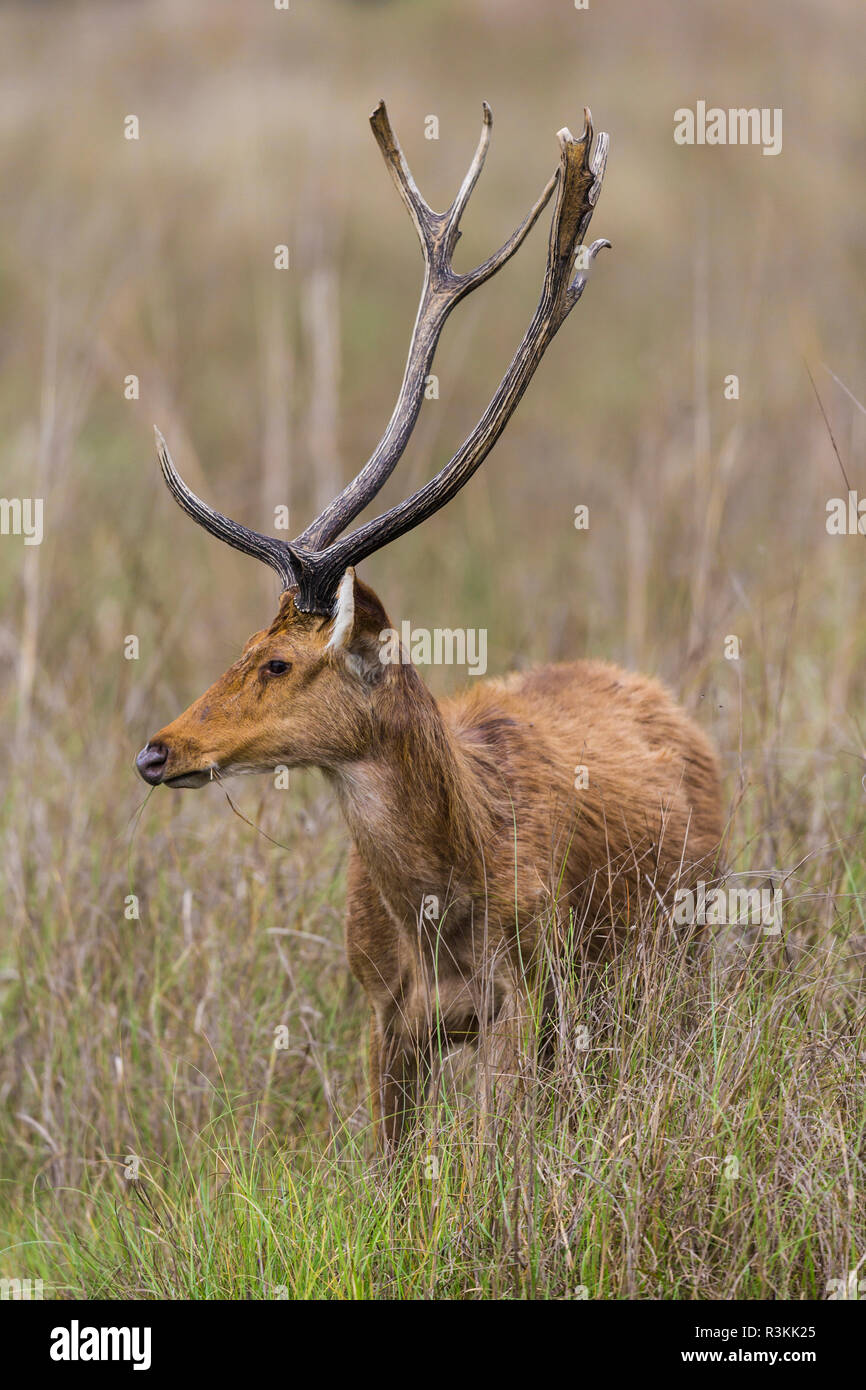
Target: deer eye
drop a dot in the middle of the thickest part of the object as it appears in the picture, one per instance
(278, 668)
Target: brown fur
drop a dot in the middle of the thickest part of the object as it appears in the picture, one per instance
(471, 803)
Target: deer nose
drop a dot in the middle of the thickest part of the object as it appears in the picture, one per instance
(151, 762)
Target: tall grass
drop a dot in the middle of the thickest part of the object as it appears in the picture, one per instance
(696, 1137)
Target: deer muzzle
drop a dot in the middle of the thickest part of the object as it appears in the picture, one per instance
(151, 763)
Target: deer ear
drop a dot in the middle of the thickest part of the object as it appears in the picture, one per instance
(354, 638)
(344, 614)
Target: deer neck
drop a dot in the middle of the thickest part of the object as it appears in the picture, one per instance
(412, 803)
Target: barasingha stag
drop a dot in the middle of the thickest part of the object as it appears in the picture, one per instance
(472, 838)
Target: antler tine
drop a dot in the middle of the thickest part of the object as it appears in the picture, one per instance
(578, 186)
(464, 193)
(582, 174)
(420, 211)
(470, 278)
(267, 548)
(438, 233)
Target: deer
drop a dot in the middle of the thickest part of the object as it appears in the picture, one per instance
(472, 840)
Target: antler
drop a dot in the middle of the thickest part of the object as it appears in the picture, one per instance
(311, 563)
(438, 233)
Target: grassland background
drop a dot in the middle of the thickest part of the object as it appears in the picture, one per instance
(153, 1038)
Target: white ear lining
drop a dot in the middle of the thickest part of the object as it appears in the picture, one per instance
(344, 612)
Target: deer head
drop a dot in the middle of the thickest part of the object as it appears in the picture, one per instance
(301, 692)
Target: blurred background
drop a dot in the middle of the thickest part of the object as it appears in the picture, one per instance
(155, 258)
